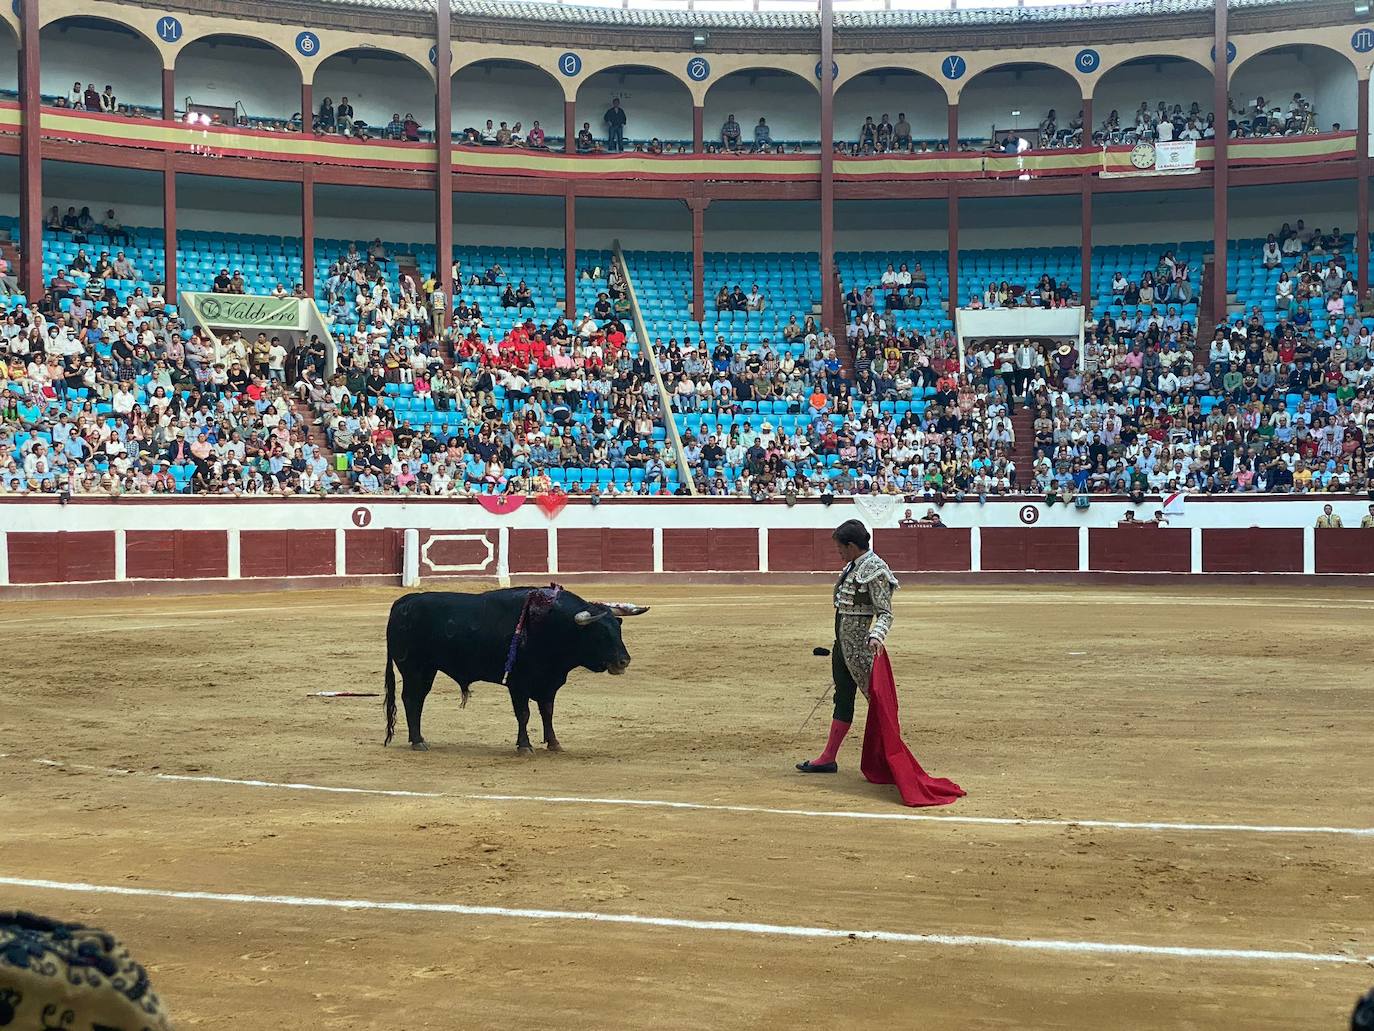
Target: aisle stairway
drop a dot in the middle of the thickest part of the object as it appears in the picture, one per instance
(1023, 449)
(304, 417)
(842, 349)
(1206, 313)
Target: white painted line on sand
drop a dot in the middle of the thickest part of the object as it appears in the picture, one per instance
(900, 816)
(127, 627)
(304, 787)
(994, 821)
(116, 771)
(962, 941)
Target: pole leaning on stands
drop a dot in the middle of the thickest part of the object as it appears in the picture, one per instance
(642, 332)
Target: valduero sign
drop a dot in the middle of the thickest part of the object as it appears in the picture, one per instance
(235, 311)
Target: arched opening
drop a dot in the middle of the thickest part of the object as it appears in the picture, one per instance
(657, 106)
(1312, 89)
(381, 86)
(513, 93)
(1033, 102)
(239, 81)
(897, 95)
(98, 53)
(1149, 81)
(771, 108)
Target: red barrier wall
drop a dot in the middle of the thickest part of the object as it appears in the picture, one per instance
(371, 552)
(176, 554)
(710, 550)
(800, 551)
(61, 557)
(924, 549)
(529, 551)
(286, 553)
(35, 556)
(1252, 550)
(1350, 550)
(457, 552)
(1016, 548)
(1140, 549)
(606, 550)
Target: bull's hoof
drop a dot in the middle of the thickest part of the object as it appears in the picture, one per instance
(419, 746)
(553, 746)
(524, 749)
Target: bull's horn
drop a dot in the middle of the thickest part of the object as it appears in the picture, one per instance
(587, 617)
(625, 608)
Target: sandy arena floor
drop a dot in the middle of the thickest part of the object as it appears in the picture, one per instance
(1130, 705)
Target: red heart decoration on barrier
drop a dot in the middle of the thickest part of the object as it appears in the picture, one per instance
(501, 504)
(552, 503)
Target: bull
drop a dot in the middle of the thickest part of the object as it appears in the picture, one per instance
(528, 639)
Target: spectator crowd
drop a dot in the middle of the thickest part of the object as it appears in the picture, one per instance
(110, 391)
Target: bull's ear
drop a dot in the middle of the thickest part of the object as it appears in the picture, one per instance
(587, 617)
(624, 608)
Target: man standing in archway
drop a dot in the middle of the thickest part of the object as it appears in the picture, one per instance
(615, 127)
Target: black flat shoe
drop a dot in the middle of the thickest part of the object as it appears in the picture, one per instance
(810, 767)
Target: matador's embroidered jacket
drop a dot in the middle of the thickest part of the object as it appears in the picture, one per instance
(863, 610)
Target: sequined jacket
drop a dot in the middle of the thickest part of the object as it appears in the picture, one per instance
(864, 592)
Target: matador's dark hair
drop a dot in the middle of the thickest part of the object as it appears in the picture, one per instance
(852, 531)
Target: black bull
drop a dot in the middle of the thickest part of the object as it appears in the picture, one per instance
(468, 638)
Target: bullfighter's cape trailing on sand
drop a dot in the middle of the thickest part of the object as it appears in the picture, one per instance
(886, 758)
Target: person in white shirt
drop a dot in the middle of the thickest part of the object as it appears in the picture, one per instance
(276, 360)
(1283, 292)
(36, 462)
(1165, 131)
(123, 400)
(1271, 256)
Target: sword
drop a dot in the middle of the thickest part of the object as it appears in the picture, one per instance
(824, 694)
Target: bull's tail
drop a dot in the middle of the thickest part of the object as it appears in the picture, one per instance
(390, 702)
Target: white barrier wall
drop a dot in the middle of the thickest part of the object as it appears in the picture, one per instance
(267, 542)
(1229, 512)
